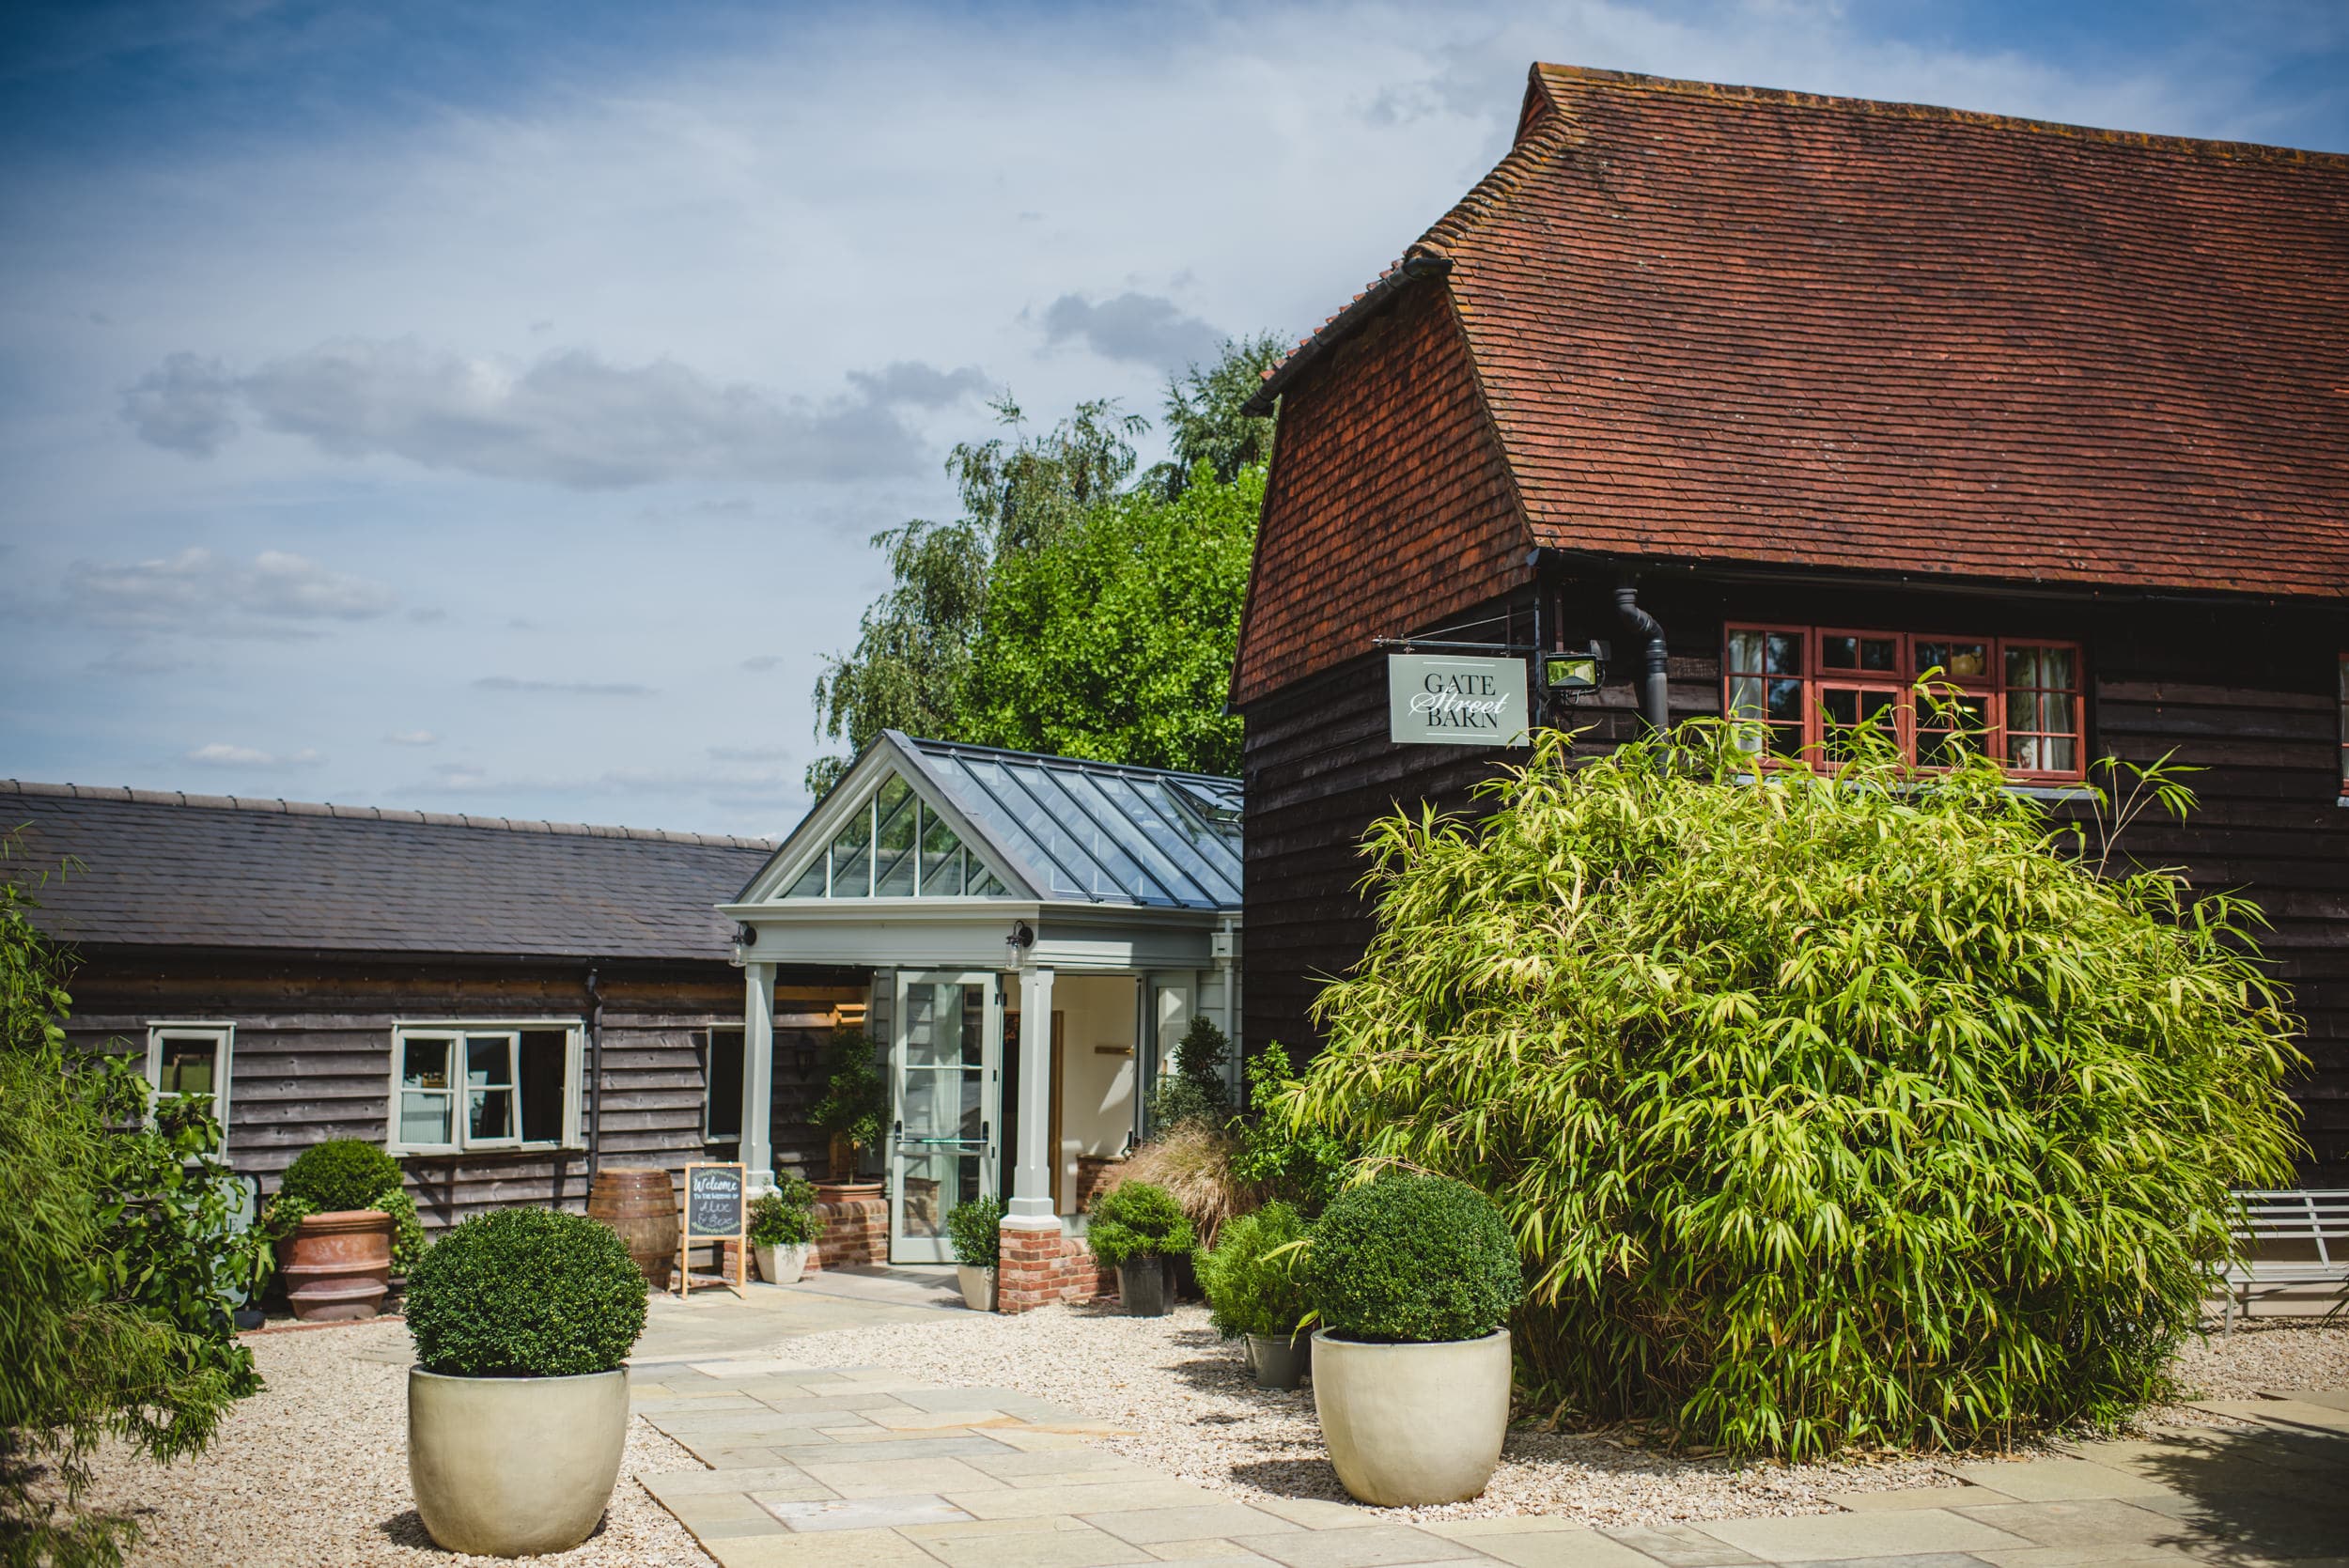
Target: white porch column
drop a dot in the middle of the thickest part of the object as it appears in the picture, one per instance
(758, 1076)
(1031, 1203)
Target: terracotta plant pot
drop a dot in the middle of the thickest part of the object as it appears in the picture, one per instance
(640, 1202)
(337, 1265)
(514, 1467)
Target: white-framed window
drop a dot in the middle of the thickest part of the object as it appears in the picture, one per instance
(499, 1084)
(192, 1059)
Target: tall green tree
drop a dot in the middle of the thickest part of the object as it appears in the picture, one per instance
(1116, 642)
(1121, 595)
(1206, 417)
(114, 1250)
(913, 657)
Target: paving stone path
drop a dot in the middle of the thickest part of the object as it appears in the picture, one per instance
(860, 1468)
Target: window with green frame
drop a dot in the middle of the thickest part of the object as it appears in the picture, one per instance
(895, 845)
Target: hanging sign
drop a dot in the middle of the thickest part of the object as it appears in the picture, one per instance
(714, 1211)
(1445, 700)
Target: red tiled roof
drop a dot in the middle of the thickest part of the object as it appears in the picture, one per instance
(1737, 325)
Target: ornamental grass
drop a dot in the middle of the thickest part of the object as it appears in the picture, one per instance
(1856, 1110)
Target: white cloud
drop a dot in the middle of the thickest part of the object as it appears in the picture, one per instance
(413, 737)
(1144, 329)
(564, 688)
(199, 593)
(760, 663)
(220, 753)
(568, 418)
(183, 405)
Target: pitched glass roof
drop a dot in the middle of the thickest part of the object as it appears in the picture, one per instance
(1059, 828)
(1096, 829)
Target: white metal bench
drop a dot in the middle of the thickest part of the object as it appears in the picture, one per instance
(2311, 1227)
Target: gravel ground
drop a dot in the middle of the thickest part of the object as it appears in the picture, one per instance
(1192, 1410)
(315, 1470)
(2265, 1355)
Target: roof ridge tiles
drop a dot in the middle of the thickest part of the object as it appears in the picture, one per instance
(1902, 109)
(373, 814)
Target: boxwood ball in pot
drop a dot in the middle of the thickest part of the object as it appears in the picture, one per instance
(518, 1406)
(1414, 1278)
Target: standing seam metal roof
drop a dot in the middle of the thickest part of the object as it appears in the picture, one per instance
(1096, 831)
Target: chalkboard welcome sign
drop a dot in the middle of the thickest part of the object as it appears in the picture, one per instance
(714, 1211)
(713, 1201)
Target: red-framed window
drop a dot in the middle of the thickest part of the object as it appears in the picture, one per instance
(2017, 698)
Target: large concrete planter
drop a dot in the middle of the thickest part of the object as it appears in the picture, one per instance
(337, 1265)
(781, 1264)
(978, 1287)
(514, 1467)
(1409, 1425)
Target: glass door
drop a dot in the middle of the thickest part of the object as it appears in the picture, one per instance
(942, 1105)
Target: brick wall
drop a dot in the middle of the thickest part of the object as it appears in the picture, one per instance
(856, 1228)
(1040, 1268)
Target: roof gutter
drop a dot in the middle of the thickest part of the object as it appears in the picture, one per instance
(1546, 556)
(1419, 261)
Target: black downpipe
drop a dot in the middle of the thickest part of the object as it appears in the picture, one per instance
(1653, 679)
(595, 1076)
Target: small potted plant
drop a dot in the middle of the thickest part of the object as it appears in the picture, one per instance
(854, 1106)
(344, 1224)
(974, 1230)
(1413, 1278)
(784, 1225)
(1136, 1229)
(1257, 1292)
(516, 1404)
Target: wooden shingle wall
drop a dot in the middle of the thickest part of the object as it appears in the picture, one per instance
(2247, 695)
(312, 1057)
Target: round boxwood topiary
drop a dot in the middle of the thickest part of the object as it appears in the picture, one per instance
(339, 1174)
(1135, 1219)
(1412, 1259)
(526, 1293)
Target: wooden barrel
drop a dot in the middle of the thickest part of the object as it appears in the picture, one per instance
(640, 1202)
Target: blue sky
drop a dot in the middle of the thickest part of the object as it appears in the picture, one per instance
(485, 407)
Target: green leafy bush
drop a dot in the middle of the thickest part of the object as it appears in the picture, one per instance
(339, 1173)
(1135, 1219)
(1412, 1259)
(787, 1217)
(855, 1102)
(974, 1230)
(117, 1253)
(1303, 1165)
(526, 1293)
(1254, 1278)
(1195, 1089)
(1876, 1109)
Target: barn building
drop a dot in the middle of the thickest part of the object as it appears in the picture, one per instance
(1783, 399)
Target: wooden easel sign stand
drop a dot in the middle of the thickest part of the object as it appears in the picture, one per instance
(714, 1211)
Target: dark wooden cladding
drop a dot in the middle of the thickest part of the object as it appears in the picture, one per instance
(2244, 694)
(312, 1055)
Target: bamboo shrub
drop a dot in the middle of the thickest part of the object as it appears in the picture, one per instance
(1871, 1110)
